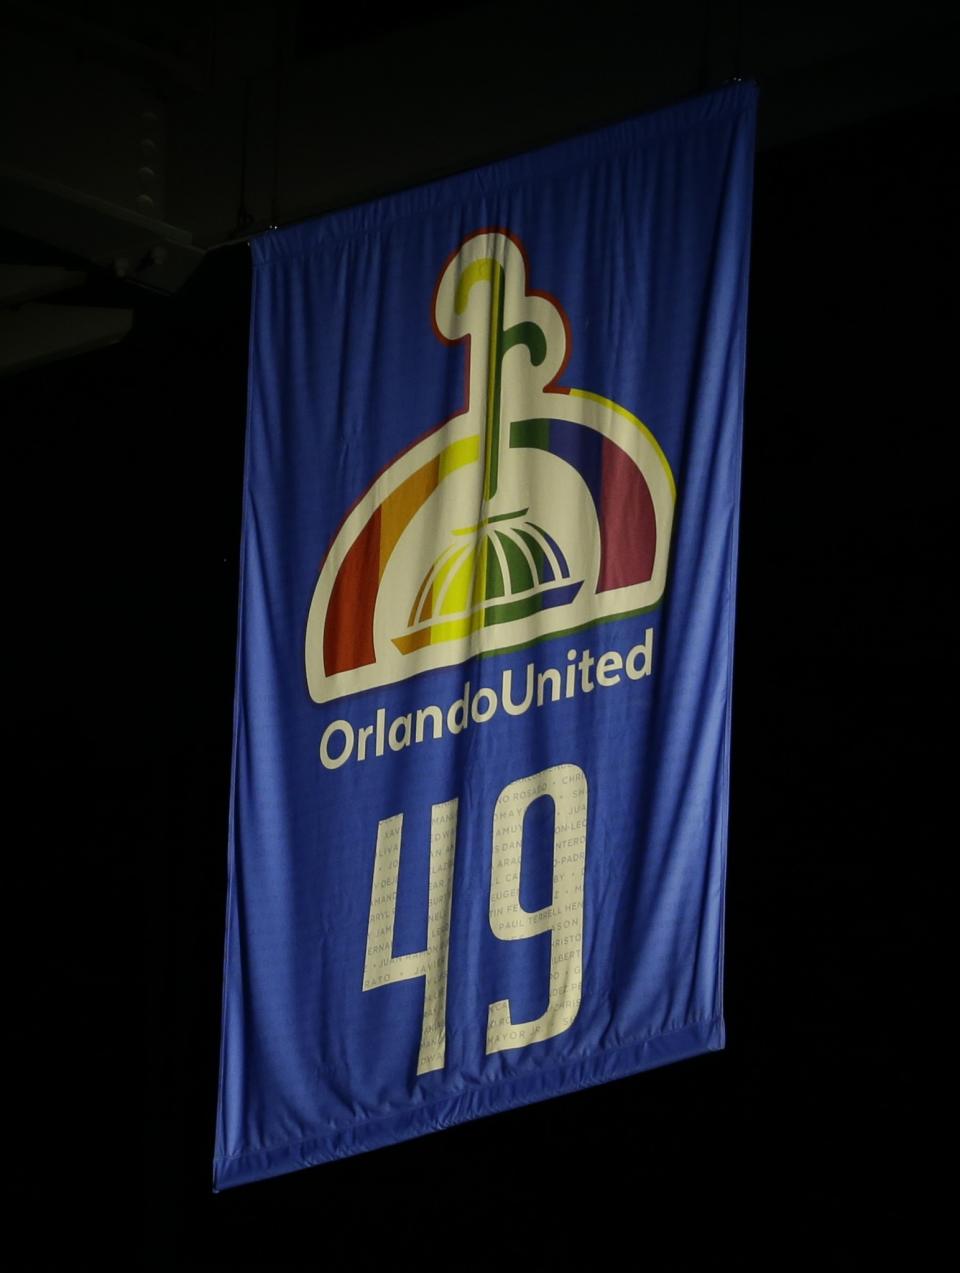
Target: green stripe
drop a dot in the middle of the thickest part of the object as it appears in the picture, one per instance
(494, 583)
(528, 334)
(535, 433)
(493, 382)
(536, 551)
(512, 610)
(519, 568)
(563, 632)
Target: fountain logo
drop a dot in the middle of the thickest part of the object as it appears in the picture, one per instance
(537, 510)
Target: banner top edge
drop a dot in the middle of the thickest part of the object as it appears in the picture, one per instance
(371, 216)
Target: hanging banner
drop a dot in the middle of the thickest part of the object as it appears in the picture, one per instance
(481, 746)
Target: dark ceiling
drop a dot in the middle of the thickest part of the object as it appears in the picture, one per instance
(136, 138)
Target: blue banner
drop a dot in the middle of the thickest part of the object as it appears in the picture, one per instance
(481, 745)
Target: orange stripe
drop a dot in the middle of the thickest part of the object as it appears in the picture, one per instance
(398, 508)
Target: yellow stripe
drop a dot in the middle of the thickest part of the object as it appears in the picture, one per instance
(437, 586)
(455, 628)
(457, 454)
(627, 415)
(480, 271)
(493, 336)
(457, 597)
(449, 631)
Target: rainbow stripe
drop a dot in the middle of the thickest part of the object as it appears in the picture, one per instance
(348, 629)
(507, 569)
(628, 523)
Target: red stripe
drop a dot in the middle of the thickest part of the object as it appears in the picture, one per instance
(348, 630)
(628, 523)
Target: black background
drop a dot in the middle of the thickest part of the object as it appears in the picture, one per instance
(122, 552)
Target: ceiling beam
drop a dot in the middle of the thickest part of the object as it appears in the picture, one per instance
(33, 334)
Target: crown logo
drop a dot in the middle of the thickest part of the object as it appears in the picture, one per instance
(535, 511)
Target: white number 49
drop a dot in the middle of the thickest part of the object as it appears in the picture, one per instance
(566, 786)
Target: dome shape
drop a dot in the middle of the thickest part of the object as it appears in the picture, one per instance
(501, 569)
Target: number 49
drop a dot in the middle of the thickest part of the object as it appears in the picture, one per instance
(566, 786)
